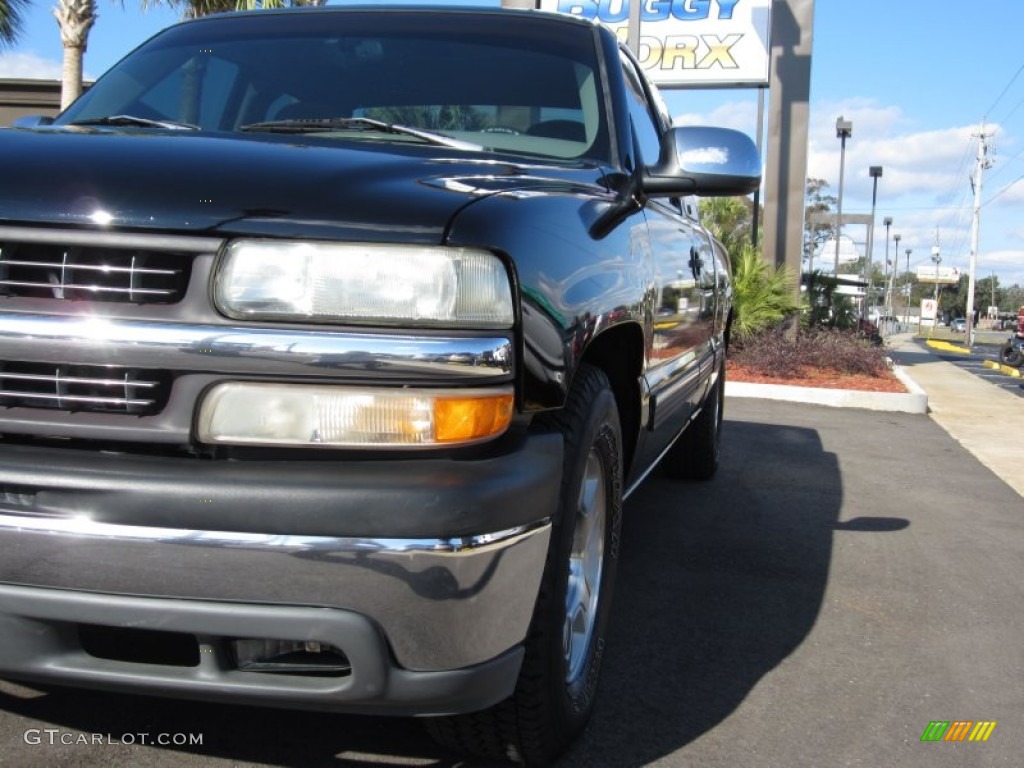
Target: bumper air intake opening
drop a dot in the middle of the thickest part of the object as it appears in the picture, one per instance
(139, 646)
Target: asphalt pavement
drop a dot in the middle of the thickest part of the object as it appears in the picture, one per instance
(985, 419)
(848, 578)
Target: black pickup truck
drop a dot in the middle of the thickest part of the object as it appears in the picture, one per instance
(331, 342)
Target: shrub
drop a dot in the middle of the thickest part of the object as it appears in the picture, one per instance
(844, 352)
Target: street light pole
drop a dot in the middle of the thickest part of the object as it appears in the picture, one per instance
(875, 172)
(844, 130)
(938, 260)
(906, 305)
(888, 223)
(895, 261)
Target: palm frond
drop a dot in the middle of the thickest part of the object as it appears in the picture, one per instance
(763, 296)
(12, 13)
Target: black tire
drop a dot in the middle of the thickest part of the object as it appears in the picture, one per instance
(1010, 354)
(695, 455)
(557, 684)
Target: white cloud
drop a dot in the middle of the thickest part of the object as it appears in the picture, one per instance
(740, 116)
(1008, 265)
(28, 66)
(933, 163)
(1004, 195)
(925, 187)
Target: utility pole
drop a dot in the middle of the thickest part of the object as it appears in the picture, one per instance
(981, 163)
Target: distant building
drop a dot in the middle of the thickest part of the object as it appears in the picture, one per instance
(825, 258)
(28, 97)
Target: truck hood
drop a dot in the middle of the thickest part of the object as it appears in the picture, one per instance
(260, 184)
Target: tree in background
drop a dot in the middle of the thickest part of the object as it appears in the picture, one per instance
(10, 20)
(1013, 297)
(819, 218)
(986, 292)
(74, 18)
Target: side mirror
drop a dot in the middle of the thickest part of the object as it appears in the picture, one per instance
(711, 162)
(31, 121)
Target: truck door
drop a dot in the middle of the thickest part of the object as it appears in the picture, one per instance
(680, 316)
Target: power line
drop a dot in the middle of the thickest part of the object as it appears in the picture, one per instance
(1005, 89)
(964, 159)
(1009, 114)
(1001, 191)
(1005, 161)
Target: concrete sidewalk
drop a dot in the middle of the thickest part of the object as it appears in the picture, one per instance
(984, 419)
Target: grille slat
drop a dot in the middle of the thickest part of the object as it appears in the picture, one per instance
(94, 273)
(82, 287)
(73, 380)
(93, 267)
(83, 388)
(78, 399)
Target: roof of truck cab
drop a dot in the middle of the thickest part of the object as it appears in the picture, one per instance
(455, 10)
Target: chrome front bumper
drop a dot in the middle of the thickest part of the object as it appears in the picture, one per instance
(440, 604)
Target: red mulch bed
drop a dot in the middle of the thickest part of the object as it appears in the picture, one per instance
(812, 377)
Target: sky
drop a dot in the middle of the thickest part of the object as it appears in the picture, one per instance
(915, 77)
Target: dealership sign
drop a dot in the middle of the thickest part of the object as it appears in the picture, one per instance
(689, 42)
(944, 275)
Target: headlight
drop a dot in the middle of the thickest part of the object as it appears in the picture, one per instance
(363, 283)
(244, 413)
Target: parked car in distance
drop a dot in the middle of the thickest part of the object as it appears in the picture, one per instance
(331, 341)
(959, 325)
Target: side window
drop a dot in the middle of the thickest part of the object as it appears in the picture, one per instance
(645, 125)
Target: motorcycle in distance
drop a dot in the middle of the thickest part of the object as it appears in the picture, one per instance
(1012, 352)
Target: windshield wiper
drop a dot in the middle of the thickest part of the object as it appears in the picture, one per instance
(145, 122)
(318, 124)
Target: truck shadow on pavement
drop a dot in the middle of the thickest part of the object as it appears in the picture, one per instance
(719, 582)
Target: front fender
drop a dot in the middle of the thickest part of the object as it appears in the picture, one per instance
(572, 286)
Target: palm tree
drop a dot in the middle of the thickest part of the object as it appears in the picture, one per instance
(75, 18)
(10, 20)
(763, 296)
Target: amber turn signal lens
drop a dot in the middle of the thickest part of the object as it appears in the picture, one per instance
(471, 418)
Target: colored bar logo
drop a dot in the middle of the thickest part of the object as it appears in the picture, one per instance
(958, 730)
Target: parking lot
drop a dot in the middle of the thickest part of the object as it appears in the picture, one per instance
(848, 577)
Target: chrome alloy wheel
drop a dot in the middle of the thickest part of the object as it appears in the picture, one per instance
(586, 562)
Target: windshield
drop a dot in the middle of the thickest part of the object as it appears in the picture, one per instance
(504, 82)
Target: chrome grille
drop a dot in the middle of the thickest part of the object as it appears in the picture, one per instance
(83, 388)
(96, 273)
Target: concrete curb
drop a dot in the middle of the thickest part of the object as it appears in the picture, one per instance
(1006, 369)
(915, 400)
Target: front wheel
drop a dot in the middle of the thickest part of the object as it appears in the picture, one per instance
(1011, 354)
(566, 641)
